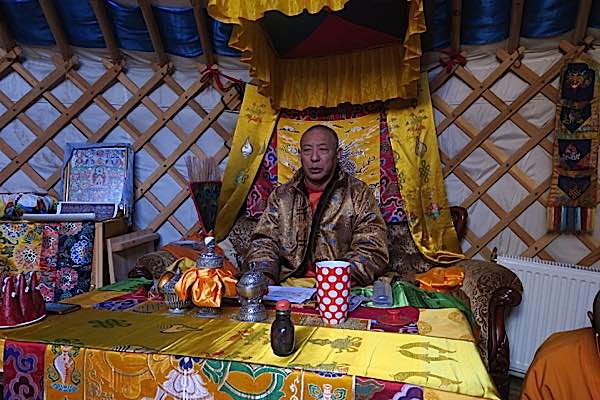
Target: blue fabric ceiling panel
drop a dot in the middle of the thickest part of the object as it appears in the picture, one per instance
(179, 34)
(26, 22)
(80, 23)
(437, 14)
(595, 15)
(545, 18)
(485, 21)
(220, 34)
(177, 26)
(129, 27)
(178, 30)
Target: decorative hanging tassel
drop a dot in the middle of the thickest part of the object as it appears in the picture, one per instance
(570, 219)
(573, 189)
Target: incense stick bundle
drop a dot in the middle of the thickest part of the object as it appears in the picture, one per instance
(203, 169)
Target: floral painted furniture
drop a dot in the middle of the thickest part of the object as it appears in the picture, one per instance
(62, 252)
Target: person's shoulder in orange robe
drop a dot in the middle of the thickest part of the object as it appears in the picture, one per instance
(566, 366)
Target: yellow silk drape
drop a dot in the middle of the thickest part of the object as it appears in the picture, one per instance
(441, 279)
(448, 323)
(362, 76)
(205, 286)
(416, 154)
(253, 131)
(232, 11)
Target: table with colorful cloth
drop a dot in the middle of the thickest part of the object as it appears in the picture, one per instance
(123, 344)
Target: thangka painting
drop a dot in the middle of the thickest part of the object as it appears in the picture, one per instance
(359, 147)
(99, 173)
(365, 152)
(573, 191)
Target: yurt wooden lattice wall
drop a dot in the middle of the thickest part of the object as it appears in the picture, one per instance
(147, 106)
(479, 138)
(474, 117)
(496, 142)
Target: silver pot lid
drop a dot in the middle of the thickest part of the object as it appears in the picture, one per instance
(209, 258)
(252, 278)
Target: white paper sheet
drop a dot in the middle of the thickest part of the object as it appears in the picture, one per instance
(296, 295)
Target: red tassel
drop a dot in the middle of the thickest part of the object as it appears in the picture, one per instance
(212, 73)
(449, 61)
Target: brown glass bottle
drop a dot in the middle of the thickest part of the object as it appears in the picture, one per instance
(282, 330)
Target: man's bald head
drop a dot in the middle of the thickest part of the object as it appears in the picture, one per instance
(325, 129)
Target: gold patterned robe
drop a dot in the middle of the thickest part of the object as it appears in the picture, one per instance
(346, 224)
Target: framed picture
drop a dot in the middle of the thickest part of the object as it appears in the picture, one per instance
(99, 173)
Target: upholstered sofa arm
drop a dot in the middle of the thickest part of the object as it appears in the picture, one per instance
(492, 290)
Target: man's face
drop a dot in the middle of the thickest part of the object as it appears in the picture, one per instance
(318, 155)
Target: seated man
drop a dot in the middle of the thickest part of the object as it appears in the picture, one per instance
(567, 364)
(320, 214)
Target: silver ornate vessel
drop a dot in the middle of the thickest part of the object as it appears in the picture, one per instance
(172, 300)
(209, 258)
(251, 288)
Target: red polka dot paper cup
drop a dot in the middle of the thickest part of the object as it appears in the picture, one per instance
(333, 289)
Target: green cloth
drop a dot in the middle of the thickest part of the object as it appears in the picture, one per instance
(406, 294)
(127, 285)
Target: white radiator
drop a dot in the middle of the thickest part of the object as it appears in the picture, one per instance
(556, 297)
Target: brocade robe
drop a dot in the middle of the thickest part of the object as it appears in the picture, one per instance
(346, 225)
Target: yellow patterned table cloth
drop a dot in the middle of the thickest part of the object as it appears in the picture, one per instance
(105, 347)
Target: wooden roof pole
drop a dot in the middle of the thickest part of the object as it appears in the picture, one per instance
(581, 23)
(202, 25)
(6, 40)
(107, 30)
(515, 25)
(154, 32)
(56, 29)
(455, 27)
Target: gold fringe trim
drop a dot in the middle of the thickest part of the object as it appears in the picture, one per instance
(381, 73)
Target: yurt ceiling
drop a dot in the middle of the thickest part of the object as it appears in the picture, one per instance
(136, 71)
(482, 22)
